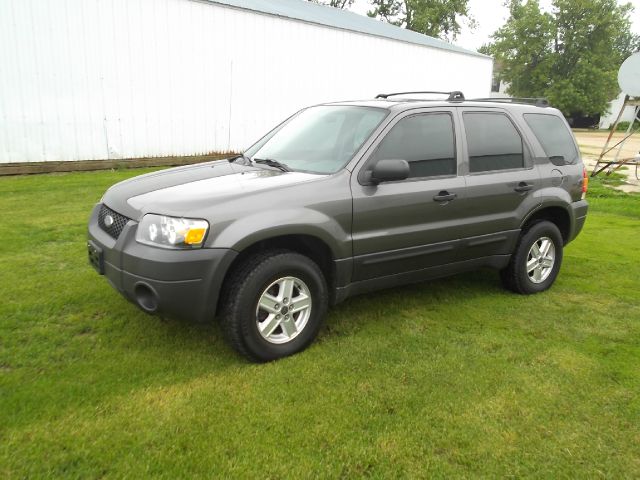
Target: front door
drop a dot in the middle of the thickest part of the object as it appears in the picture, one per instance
(415, 223)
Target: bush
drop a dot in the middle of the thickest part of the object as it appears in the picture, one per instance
(623, 126)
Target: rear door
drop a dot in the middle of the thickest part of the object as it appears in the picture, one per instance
(415, 223)
(501, 180)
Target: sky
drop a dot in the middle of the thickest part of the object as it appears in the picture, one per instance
(490, 15)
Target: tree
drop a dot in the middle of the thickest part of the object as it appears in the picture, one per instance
(436, 18)
(570, 55)
(335, 3)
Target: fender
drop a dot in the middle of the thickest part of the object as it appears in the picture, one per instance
(553, 196)
(250, 229)
(570, 225)
(550, 197)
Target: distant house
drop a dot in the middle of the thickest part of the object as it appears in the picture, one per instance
(499, 89)
(608, 119)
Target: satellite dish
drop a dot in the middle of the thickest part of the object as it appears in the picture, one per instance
(629, 75)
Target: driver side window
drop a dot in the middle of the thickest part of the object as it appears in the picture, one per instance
(425, 141)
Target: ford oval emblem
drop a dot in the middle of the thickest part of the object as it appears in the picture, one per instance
(108, 221)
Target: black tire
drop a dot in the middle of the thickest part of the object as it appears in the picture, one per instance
(516, 277)
(243, 290)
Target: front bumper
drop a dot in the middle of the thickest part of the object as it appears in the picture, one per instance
(183, 283)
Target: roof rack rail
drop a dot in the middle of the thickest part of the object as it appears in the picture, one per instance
(538, 102)
(455, 95)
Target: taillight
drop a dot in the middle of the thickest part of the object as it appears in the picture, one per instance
(585, 183)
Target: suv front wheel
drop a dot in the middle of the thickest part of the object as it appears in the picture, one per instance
(536, 261)
(274, 305)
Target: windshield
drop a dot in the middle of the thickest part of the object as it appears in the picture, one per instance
(319, 139)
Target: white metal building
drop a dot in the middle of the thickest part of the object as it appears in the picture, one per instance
(110, 79)
(609, 118)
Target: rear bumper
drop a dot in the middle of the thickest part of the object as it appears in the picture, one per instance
(183, 283)
(579, 216)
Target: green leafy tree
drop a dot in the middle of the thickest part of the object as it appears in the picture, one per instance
(570, 55)
(335, 3)
(436, 18)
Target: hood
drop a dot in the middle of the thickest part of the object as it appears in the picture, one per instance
(179, 191)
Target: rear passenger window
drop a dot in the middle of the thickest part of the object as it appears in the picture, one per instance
(493, 142)
(425, 141)
(554, 136)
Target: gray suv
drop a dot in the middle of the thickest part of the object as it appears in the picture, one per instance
(342, 199)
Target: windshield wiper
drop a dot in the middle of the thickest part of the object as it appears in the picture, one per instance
(242, 156)
(273, 163)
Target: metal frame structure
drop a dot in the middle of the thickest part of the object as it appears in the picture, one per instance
(612, 165)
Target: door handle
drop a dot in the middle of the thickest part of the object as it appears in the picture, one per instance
(444, 196)
(523, 187)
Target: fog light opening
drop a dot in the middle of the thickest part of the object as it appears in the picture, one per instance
(146, 298)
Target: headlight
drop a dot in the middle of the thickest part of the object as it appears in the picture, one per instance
(171, 232)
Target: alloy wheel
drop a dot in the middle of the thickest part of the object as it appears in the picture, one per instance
(541, 259)
(283, 310)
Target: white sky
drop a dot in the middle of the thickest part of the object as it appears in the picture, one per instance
(491, 15)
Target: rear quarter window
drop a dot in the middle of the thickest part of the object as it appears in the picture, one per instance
(554, 136)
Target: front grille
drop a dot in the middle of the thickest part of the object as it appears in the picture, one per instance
(119, 221)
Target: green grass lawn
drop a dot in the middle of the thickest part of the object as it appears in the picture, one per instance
(449, 378)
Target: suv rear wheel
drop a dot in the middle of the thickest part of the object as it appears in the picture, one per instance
(274, 306)
(536, 261)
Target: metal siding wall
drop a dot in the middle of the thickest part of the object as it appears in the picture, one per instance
(105, 79)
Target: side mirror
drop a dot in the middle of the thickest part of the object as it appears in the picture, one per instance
(389, 171)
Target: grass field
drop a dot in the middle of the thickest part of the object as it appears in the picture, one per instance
(450, 378)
